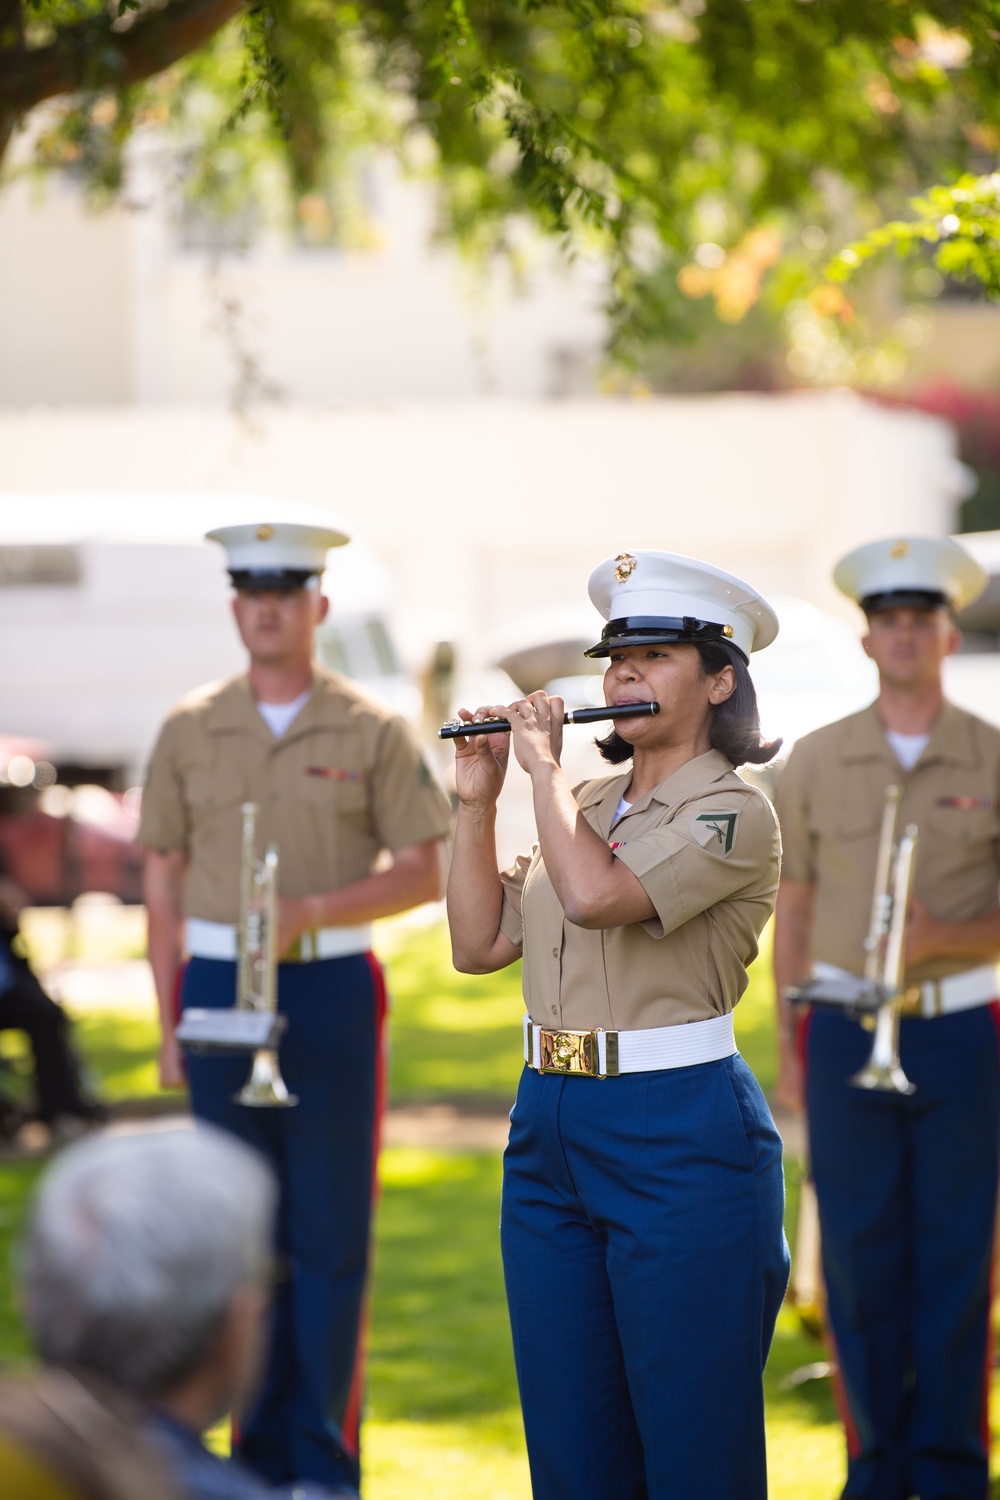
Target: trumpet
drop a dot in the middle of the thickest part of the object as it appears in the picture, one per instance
(253, 1024)
(257, 971)
(879, 993)
(884, 950)
(462, 728)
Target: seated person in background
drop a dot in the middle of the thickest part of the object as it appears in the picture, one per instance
(144, 1273)
(71, 1437)
(62, 1103)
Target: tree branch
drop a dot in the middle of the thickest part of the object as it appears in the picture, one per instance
(92, 55)
(11, 25)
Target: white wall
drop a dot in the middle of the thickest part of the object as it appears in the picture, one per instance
(64, 304)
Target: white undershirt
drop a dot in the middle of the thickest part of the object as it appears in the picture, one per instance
(278, 716)
(907, 748)
(622, 808)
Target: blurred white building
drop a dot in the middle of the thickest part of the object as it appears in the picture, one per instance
(141, 304)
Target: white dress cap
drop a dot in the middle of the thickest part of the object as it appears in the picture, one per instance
(278, 552)
(924, 569)
(660, 596)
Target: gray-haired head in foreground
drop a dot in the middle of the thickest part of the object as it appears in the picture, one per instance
(136, 1247)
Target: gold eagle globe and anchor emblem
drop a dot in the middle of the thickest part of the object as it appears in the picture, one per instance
(625, 566)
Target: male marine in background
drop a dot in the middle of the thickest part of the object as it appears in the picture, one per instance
(343, 790)
(906, 1184)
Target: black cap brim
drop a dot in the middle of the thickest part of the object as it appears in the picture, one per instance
(652, 630)
(878, 604)
(270, 580)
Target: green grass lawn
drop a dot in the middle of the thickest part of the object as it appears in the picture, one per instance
(443, 1415)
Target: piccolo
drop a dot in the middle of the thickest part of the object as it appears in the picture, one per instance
(461, 728)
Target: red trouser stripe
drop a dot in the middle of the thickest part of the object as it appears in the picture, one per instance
(351, 1426)
(178, 990)
(836, 1379)
(984, 1424)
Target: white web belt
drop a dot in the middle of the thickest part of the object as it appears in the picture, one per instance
(218, 940)
(936, 997)
(605, 1054)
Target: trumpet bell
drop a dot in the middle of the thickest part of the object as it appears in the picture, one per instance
(265, 1088)
(884, 1078)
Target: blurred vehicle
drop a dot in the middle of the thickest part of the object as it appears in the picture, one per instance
(58, 841)
(118, 609)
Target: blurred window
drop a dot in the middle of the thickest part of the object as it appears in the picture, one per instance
(358, 646)
(39, 567)
(384, 650)
(331, 651)
(200, 225)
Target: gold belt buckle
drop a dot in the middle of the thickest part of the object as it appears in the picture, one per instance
(302, 950)
(911, 1002)
(568, 1052)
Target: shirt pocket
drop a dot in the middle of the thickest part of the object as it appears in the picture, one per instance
(333, 788)
(327, 772)
(847, 822)
(965, 819)
(216, 789)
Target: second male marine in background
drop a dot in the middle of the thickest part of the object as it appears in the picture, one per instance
(906, 1184)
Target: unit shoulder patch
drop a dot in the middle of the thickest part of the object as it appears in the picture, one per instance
(715, 830)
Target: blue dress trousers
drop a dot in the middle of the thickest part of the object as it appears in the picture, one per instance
(645, 1262)
(304, 1424)
(907, 1192)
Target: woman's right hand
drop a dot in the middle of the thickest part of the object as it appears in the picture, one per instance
(481, 760)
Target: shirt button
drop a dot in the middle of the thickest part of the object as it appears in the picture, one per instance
(555, 1010)
(555, 953)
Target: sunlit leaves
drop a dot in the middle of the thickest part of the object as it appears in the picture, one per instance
(956, 227)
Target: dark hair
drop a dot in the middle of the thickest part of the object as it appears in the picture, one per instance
(734, 726)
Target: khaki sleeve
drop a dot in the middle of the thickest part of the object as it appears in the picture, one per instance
(716, 846)
(408, 806)
(791, 802)
(512, 880)
(163, 820)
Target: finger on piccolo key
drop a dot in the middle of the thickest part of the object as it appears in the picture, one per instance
(458, 727)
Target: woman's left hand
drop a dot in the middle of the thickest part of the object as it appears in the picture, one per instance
(537, 730)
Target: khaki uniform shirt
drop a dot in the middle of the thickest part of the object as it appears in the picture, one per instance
(705, 847)
(830, 799)
(345, 781)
